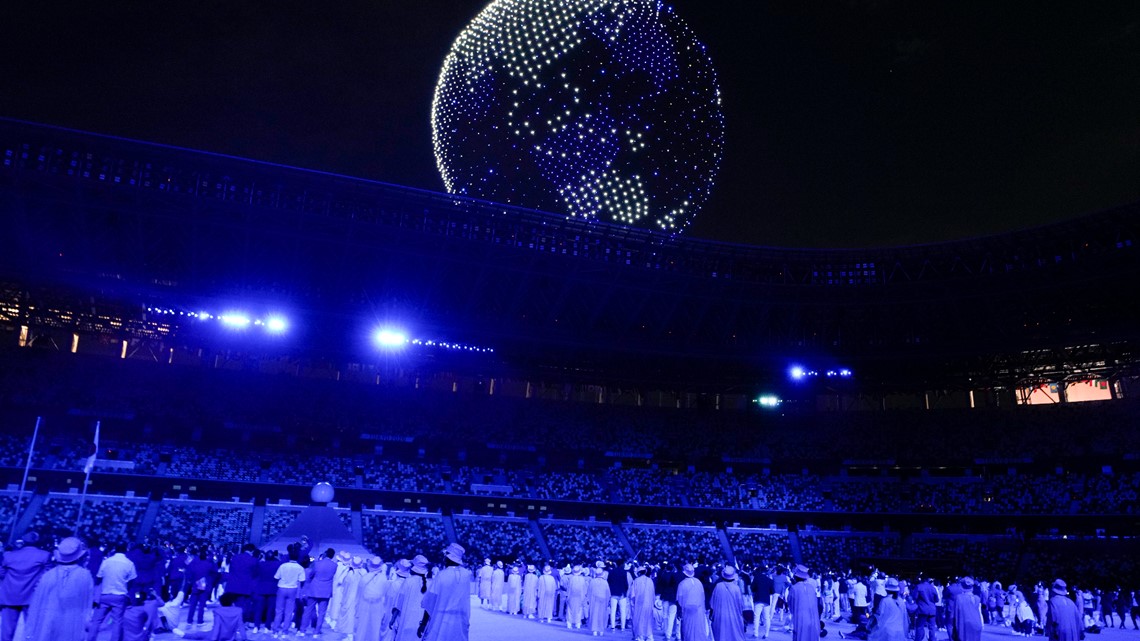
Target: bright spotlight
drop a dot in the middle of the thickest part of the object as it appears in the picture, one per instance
(235, 321)
(768, 401)
(845, 373)
(391, 338)
(797, 372)
(276, 324)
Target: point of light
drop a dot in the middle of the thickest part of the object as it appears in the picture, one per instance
(768, 401)
(797, 372)
(391, 338)
(276, 324)
(236, 321)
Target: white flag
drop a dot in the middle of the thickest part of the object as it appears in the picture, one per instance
(95, 454)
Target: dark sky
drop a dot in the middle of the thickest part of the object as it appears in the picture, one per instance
(854, 123)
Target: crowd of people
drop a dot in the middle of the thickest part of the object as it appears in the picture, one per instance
(71, 591)
(1024, 493)
(76, 593)
(389, 532)
(273, 414)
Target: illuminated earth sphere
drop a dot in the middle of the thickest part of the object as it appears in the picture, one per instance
(605, 111)
(321, 493)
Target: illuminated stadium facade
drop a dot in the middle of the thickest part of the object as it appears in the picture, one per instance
(604, 111)
(144, 227)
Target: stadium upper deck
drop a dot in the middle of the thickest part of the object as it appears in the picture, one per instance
(141, 222)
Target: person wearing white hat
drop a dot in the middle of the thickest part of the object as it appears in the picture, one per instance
(890, 622)
(349, 587)
(514, 590)
(598, 602)
(530, 592)
(642, 594)
(691, 602)
(803, 605)
(1063, 622)
(727, 607)
(966, 613)
(498, 582)
(576, 585)
(344, 562)
(371, 608)
(485, 573)
(447, 604)
(547, 594)
(61, 601)
(409, 602)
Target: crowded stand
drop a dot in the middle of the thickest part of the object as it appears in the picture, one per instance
(389, 534)
(977, 555)
(219, 523)
(1092, 560)
(572, 486)
(113, 517)
(663, 542)
(565, 539)
(491, 471)
(286, 410)
(276, 519)
(754, 546)
(499, 537)
(837, 550)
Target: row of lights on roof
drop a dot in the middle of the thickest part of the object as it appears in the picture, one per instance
(799, 373)
(388, 338)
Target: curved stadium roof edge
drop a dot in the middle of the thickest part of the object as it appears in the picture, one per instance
(1059, 229)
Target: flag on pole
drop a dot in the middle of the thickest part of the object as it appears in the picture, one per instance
(95, 454)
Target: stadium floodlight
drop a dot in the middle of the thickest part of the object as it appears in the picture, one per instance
(276, 324)
(235, 320)
(389, 338)
(768, 401)
(797, 372)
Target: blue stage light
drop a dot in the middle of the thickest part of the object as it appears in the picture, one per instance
(276, 324)
(391, 338)
(797, 372)
(235, 320)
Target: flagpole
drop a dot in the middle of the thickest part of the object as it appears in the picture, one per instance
(86, 478)
(24, 483)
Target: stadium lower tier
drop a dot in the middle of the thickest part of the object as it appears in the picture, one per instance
(401, 532)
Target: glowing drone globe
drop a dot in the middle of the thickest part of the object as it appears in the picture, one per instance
(602, 110)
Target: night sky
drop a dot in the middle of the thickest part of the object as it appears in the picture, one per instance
(849, 124)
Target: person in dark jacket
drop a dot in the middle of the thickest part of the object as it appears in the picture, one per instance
(667, 581)
(763, 587)
(200, 577)
(1063, 622)
(241, 579)
(19, 572)
(618, 578)
(265, 591)
(926, 609)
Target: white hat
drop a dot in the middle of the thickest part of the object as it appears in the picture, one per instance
(454, 551)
